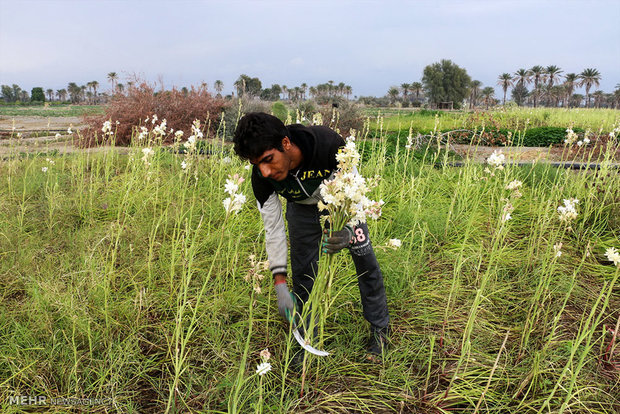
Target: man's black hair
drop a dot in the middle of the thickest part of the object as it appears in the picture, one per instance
(258, 132)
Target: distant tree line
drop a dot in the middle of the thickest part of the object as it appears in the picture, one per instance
(551, 88)
(443, 85)
(252, 87)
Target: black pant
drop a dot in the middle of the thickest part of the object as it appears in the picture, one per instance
(305, 234)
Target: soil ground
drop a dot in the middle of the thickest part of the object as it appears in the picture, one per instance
(38, 134)
(27, 125)
(519, 154)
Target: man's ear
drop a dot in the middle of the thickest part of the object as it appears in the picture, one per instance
(286, 143)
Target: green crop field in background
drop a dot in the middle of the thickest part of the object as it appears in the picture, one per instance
(515, 118)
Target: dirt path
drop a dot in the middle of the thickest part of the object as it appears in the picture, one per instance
(38, 134)
(27, 125)
(480, 154)
(532, 154)
(46, 144)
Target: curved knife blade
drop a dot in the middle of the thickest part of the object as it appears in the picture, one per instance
(306, 346)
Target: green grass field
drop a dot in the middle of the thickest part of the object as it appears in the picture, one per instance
(515, 118)
(122, 277)
(51, 111)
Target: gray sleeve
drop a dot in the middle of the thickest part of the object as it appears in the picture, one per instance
(275, 233)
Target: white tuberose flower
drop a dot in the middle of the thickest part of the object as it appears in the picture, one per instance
(496, 159)
(147, 152)
(571, 137)
(234, 203)
(345, 194)
(395, 243)
(613, 255)
(263, 368)
(557, 248)
(508, 209)
(107, 128)
(514, 185)
(568, 211)
(231, 187)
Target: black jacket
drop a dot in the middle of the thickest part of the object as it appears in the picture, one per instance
(319, 146)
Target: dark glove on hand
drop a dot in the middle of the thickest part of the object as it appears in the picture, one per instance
(338, 240)
(286, 306)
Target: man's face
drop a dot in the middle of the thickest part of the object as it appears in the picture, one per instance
(273, 163)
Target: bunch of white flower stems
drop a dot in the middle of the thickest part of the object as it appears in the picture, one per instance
(347, 204)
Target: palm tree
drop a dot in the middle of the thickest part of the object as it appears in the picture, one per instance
(416, 87)
(313, 91)
(303, 87)
(95, 85)
(473, 92)
(616, 98)
(405, 88)
(505, 81)
(348, 90)
(569, 83)
(50, 94)
(61, 94)
(588, 78)
(576, 100)
(340, 88)
(74, 92)
(218, 86)
(598, 98)
(553, 74)
(522, 77)
(556, 93)
(112, 78)
(537, 74)
(393, 94)
(89, 95)
(565, 96)
(487, 94)
(537, 93)
(330, 87)
(241, 83)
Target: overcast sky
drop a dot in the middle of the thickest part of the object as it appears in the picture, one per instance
(370, 45)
